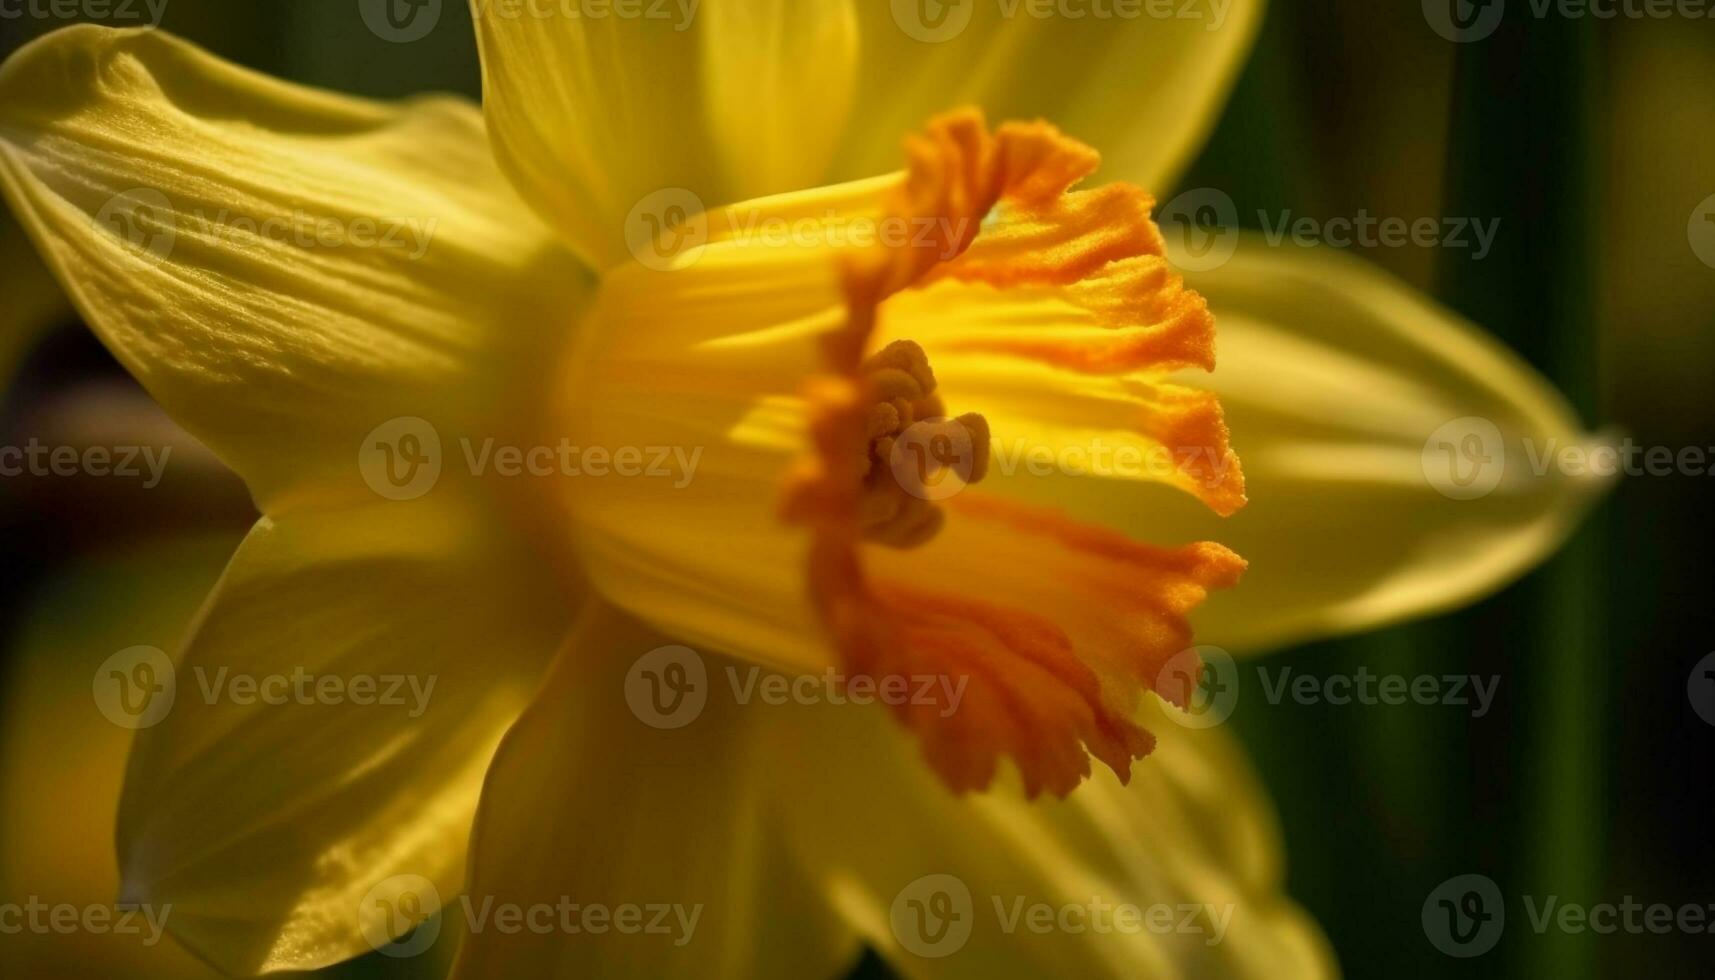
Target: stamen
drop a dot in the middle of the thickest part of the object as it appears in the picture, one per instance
(913, 456)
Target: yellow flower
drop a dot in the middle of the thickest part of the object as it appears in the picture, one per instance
(258, 296)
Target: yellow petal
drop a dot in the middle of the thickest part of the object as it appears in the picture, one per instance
(1191, 839)
(699, 368)
(334, 711)
(592, 116)
(778, 78)
(1346, 392)
(588, 116)
(587, 806)
(1145, 89)
(283, 269)
(598, 118)
(63, 762)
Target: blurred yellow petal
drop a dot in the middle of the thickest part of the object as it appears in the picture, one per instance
(1190, 846)
(1145, 89)
(588, 116)
(744, 809)
(588, 805)
(334, 712)
(591, 116)
(733, 99)
(63, 762)
(706, 360)
(1350, 397)
(283, 269)
(778, 78)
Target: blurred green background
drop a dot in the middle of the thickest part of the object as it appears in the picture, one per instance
(1592, 779)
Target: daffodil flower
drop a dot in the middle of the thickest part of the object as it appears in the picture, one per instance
(1032, 303)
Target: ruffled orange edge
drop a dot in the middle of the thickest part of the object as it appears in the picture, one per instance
(1037, 700)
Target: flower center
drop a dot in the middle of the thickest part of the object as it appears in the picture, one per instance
(915, 456)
